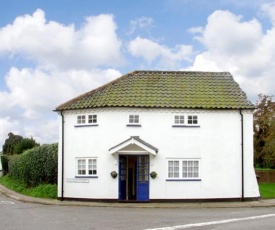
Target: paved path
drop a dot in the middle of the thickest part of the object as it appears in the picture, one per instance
(27, 199)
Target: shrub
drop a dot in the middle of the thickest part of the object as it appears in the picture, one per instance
(5, 164)
(35, 166)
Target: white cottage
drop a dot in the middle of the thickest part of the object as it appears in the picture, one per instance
(158, 136)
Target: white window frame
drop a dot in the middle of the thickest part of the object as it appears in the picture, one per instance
(87, 164)
(80, 119)
(183, 120)
(86, 118)
(192, 118)
(129, 123)
(175, 170)
(92, 118)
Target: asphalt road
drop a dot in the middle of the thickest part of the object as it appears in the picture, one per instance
(18, 215)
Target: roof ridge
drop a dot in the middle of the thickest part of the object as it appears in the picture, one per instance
(181, 71)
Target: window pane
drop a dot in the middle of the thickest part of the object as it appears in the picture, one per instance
(81, 119)
(192, 119)
(134, 119)
(179, 119)
(92, 167)
(173, 169)
(92, 119)
(81, 166)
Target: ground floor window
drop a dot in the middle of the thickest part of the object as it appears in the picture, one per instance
(186, 169)
(86, 167)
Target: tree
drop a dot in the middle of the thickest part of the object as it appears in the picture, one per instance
(16, 144)
(24, 144)
(8, 147)
(264, 132)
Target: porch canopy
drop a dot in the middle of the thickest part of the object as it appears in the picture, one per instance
(134, 146)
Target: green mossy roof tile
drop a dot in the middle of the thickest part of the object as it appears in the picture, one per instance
(165, 89)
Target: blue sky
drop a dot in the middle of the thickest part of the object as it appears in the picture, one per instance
(54, 50)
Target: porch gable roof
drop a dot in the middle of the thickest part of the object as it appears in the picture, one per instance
(133, 140)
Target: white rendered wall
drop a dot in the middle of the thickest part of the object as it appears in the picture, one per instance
(217, 143)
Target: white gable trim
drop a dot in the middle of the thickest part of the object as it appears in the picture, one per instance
(145, 148)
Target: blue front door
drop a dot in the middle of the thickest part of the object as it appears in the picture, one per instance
(133, 178)
(122, 177)
(143, 178)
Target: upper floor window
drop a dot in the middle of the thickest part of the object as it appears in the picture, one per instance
(92, 119)
(179, 119)
(83, 120)
(86, 167)
(192, 120)
(133, 120)
(183, 120)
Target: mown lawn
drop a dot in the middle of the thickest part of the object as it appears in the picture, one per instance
(267, 190)
(42, 191)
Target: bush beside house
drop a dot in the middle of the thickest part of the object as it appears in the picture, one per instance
(35, 166)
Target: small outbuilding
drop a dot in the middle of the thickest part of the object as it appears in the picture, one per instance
(158, 136)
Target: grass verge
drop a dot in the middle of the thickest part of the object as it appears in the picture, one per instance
(42, 191)
(267, 190)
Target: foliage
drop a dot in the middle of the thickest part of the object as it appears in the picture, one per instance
(114, 174)
(42, 190)
(264, 132)
(24, 144)
(5, 164)
(8, 147)
(16, 144)
(267, 190)
(153, 175)
(35, 166)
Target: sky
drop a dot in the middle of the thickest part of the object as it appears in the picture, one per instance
(52, 51)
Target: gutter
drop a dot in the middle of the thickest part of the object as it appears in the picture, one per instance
(242, 144)
(62, 164)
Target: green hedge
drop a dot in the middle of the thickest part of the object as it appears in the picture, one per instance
(35, 166)
(5, 164)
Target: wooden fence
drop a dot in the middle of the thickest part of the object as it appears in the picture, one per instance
(266, 176)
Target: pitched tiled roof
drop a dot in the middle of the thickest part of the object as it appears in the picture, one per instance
(165, 89)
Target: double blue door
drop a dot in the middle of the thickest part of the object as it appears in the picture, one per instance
(134, 178)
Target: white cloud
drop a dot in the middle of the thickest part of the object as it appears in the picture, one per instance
(65, 62)
(37, 92)
(268, 9)
(194, 30)
(151, 51)
(227, 33)
(7, 125)
(140, 23)
(241, 47)
(33, 94)
(52, 44)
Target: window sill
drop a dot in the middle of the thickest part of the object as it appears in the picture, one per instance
(86, 177)
(133, 125)
(86, 125)
(183, 179)
(186, 126)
